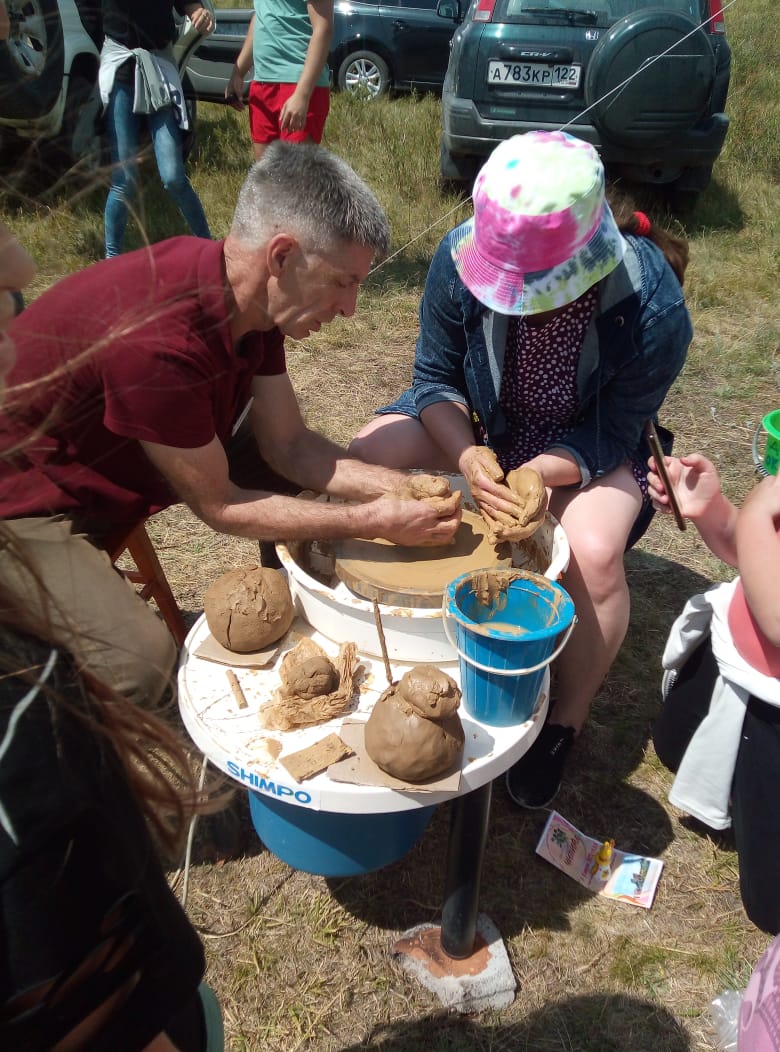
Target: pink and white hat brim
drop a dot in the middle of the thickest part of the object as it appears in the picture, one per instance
(509, 290)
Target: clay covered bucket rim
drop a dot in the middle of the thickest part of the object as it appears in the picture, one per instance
(544, 589)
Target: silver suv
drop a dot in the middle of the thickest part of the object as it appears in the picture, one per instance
(645, 83)
(49, 98)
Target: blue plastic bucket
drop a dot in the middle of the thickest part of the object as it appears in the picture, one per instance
(335, 845)
(505, 637)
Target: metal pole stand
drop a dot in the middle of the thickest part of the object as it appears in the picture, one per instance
(464, 962)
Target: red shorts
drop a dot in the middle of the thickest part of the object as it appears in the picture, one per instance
(265, 107)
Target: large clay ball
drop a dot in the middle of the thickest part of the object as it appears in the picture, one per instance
(408, 745)
(249, 608)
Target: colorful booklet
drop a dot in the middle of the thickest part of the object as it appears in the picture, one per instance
(598, 864)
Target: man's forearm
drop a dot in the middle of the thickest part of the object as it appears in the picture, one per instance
(316, 463)
(270, 517)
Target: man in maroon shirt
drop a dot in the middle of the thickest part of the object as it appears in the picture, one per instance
(129, 381)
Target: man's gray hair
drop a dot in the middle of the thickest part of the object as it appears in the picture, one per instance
(307, 191)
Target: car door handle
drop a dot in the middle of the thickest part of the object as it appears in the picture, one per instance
(400, 23)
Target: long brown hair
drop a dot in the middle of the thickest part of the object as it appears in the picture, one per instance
(630, 221)
(151, 752)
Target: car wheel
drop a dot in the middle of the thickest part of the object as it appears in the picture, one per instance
(365, 74)
(81, 140)
(683, 193)
(31, 60)
(664, 99)
(457, 173)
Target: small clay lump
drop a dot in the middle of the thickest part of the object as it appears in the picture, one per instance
(249, 608)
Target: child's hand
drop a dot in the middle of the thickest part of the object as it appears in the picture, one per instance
(696, 485)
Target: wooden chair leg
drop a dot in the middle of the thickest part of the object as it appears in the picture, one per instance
(156, 584)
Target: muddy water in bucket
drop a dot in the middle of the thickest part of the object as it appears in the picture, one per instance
(505, 625)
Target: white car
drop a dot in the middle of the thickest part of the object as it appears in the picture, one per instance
(49, 96)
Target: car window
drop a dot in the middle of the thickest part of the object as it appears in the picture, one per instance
(424, 5)
(523, 10)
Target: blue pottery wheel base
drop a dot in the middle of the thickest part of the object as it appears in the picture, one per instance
(336, 845)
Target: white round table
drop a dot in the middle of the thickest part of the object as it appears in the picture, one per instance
(233, 740)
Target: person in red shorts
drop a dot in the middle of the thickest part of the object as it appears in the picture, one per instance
(289, 98)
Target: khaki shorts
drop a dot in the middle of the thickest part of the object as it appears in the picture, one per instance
(88, 607)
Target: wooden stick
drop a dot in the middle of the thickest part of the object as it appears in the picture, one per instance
(382, 643)
(663, 474)
(235, 686)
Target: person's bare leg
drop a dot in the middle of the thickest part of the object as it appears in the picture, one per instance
(398, 441)
(259, 148)
(597, 522)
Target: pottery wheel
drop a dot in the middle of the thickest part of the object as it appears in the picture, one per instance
(416, 577)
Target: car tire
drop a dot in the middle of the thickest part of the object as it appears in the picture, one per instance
(365, 74)
(683, 193)
(653, 107)
(80, 141)
(32, 61)
(457, 173)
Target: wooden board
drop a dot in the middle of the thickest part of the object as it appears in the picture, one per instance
(416, 577)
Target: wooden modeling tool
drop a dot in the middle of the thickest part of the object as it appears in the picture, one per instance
(660, 467)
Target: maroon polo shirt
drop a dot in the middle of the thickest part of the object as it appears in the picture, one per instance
(137, 347)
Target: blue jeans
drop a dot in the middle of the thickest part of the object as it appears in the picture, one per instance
(124, 132)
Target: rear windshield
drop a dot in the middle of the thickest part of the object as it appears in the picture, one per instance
(598, 12)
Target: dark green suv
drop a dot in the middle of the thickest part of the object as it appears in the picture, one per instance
(646, 83)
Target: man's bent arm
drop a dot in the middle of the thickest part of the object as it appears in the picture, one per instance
(200, 479)
(305, 456)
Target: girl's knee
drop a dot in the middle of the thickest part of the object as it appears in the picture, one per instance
(599, 557)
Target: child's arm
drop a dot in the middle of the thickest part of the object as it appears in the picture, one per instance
(758, 552)
(234, 89)
(293, 115)
(697, 488)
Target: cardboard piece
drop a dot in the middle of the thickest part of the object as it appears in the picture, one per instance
(315, 758)
(211, 650)
(360, 769)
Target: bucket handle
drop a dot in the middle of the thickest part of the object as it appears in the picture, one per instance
(503, 671)
(757, 462)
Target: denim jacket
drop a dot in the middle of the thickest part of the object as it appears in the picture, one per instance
(634, 348)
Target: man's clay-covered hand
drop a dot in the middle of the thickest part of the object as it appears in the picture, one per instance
(419, 522)
(432, 488)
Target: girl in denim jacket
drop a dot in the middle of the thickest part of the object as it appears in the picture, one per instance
(551, 338)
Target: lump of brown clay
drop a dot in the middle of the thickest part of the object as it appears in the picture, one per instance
(304, 671)
(526, 483)
(414, 732)
(248, 608)
(307, 671)
(527, 487)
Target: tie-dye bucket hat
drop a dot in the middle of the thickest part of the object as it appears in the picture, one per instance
(542, 233)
